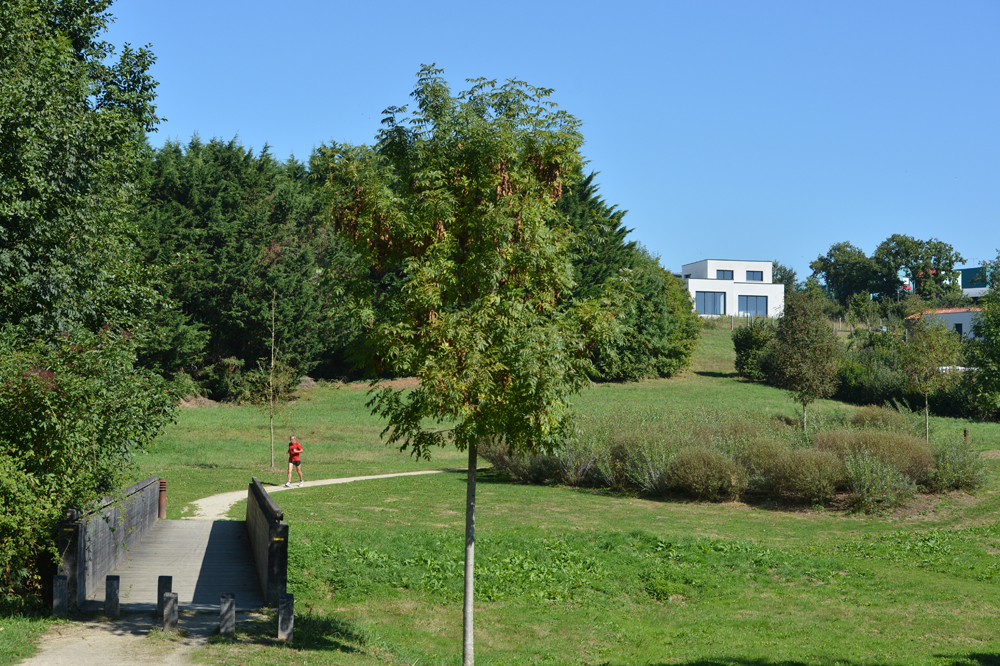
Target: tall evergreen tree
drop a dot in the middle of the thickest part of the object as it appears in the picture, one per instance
(230, 229)
(600, 250)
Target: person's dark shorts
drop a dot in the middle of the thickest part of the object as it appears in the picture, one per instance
(295, 462)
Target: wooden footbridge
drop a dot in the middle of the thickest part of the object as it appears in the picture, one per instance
(204, 558)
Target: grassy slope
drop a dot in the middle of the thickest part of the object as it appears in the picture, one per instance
(218, 449)
(583, 577)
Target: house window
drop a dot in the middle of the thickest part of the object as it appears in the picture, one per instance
(710, 302)
(958, 329)
(723, 275)
(755, 276)
(754, 306)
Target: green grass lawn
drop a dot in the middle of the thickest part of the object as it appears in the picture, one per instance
(568, 576)
(217, 449)
(574, 577)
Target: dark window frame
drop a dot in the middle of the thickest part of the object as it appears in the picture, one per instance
(755, 276)
(721, 274)
(710, 300)
(759, 309)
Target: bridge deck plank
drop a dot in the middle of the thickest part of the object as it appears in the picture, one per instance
(205, 558)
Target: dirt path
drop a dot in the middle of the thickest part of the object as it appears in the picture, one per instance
(127, 640)
(216, 507)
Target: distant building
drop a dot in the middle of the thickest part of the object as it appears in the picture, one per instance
(973, 281)
(732, 287)
(959, 320)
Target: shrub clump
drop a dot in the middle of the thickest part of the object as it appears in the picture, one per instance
(875, 484)
(706, 473)
(815, 475)
(537, 468)
(881, 418)
(904, 453)
(958, 467)
(751, 342)
(709, 455)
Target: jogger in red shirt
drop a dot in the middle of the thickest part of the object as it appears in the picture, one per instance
(294, 449)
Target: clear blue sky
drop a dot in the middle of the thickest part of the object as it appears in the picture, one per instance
(728, 130)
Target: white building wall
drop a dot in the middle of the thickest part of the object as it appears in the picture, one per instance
(966, 318)
(706, 269)
(701, 276)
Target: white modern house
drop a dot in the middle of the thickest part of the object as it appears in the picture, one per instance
(959, 320)
(737, 288)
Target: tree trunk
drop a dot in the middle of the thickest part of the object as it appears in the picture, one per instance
(270, 379)
(804, 422)
(927, 418)
(470, 558)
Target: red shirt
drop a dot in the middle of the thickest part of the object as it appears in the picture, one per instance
(293, 451)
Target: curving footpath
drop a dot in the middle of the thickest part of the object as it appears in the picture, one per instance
(216, 507)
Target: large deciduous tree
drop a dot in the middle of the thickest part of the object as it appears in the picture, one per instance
(846, 270)
(72, 121)
(805, 351)
(73, 295)
(930, 265)
(457, 201)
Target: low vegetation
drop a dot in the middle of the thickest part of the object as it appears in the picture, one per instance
(874, 459)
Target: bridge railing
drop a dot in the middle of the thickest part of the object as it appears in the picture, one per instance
(93, 543)
(269, 542)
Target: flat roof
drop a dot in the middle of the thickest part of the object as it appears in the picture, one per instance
(757, 261)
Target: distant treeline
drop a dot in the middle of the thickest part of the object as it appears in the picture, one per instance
(240, 237)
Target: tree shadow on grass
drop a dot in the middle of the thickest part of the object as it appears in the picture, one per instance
(959, 660)
(719, 375)
(311, 632)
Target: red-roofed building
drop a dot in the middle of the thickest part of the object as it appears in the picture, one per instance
(959, 320)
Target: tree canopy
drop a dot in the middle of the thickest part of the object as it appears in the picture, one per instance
(74, 296)
(229, 229)
(72, 118)
(930, 266)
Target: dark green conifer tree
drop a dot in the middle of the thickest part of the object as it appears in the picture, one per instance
(230, 229)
